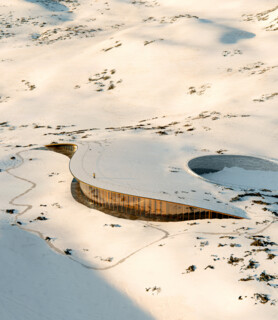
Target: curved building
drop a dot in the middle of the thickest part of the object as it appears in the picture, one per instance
(115, 177)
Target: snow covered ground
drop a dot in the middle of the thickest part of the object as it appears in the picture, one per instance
(197, 77)
(250, 178)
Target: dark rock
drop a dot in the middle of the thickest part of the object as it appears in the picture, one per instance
(209, 267)
(41, 218)
(68, 251)
(11, 211)
(111, 86)
(161, 133)
(191, 269)
(271, 256)
(221, 245)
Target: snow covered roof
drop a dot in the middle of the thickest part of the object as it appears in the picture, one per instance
(147, 167)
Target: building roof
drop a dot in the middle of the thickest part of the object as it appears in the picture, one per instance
(148, 167)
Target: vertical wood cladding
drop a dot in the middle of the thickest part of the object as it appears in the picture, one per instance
(154, 209)
(145, 207)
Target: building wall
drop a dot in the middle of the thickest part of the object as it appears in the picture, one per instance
(131, 205)
(66, 149)
(146, 207)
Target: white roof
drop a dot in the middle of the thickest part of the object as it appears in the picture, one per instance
(147, 167)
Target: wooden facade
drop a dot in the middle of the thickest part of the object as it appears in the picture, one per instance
(137, 206)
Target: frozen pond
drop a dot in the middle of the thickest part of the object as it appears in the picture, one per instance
(243, 171)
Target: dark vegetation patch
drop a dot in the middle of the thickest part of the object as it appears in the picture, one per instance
(264, 16)
(191, 268)
(100, 80)
(252, 264)
(171, 19)
(258, 241)
(153, 290)
(271, 256)
(266, 97)
(234, 260)
(249, 278)
(112, 225)
(262, 298)
(266, 277)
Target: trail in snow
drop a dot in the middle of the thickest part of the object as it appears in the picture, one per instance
(56, 249)
(51, 245)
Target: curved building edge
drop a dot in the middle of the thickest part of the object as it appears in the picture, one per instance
(128, 205)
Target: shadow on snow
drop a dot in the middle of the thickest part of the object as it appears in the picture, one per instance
(51, 5)
(230, 35)
(38, 283)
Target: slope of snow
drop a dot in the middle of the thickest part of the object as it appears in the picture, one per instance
(195, 77)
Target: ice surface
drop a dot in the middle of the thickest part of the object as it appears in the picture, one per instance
(245, 178)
